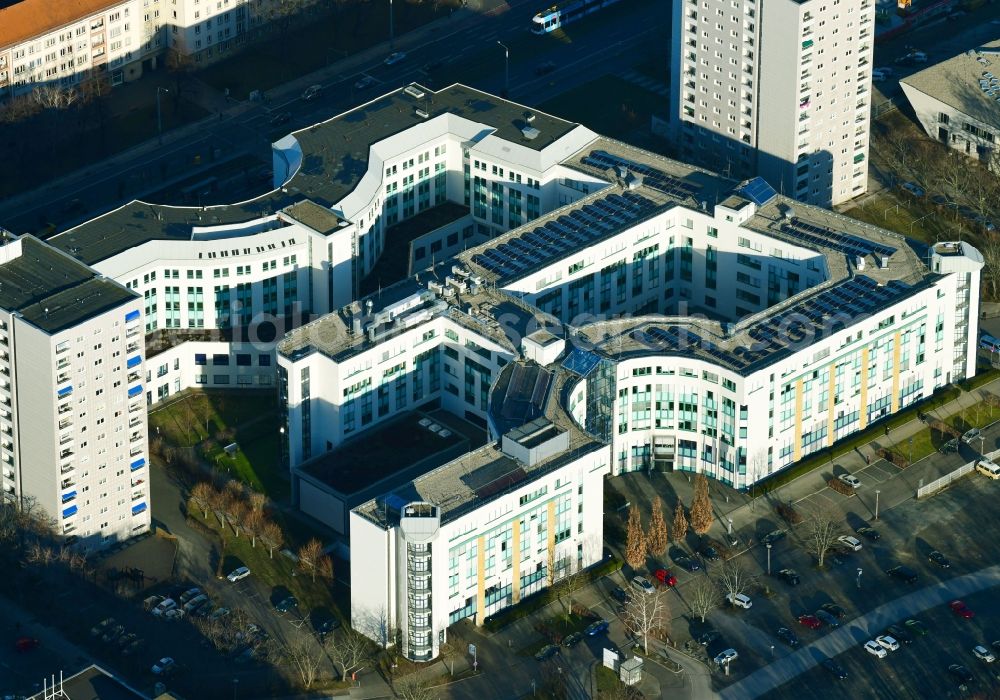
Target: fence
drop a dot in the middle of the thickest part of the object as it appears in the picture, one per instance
(941, 482)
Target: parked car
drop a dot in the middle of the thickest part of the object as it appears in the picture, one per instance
(545, 68)
(983, 654)
(827, 619)
(642, 585)
(665, 577)
(708, 636)
(126, 639)
(219, 613)
(851, 543)
(916, 626)
(850, 480)
(98, 629)
(971, 435)
(571, 640)
(708, 550)
(789, 576)
(875, 649)
(596, 628)
(24, 644)
(151, 602)
(686, 562)
(286, 604)
(740, 600)
(394, 58)
(899, 634)
(773, 536)
(961, 673)
(188, 595)
(280, 118)
(365, 81)
(163, 666)
(869, 533)
(195, 603)
(327, 625)
(834, 610)
(312, 92)
(173, 615)
(836, 669)
(787, 636)
(903, 573)
(546, 652)
(961, 609)
(939, 559)
(726, 657)
(887, 642)
(113, 633)
(810, 621)
(164, 607)
(238, 574)
(914, 189)
(621, 595)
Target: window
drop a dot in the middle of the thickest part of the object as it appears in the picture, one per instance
(200, 359)
(220, 360)
(243, 360)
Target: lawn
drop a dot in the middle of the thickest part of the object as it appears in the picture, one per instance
(928, 440)
(207, 421)
(896, 213)
(624, 108)
(305, 48)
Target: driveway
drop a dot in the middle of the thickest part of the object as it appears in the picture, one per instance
(857, 631)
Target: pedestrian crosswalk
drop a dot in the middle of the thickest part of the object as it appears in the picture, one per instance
(646, 82)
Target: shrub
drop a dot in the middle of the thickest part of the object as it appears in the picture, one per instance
(788, 513)
(840, 487)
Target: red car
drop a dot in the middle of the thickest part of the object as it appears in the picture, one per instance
(25, 643)
(810, 621)
(665, 577)
(961, 609)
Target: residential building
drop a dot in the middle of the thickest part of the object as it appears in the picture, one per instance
(72, 414)
(957, 102)
(781, 90)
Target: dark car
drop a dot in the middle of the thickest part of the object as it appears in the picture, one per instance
(286, 604)
(571, 640)
(787, 636)
(545, 68)
(546, 652)
(708, 636)
(708, 550)
(937, 558)
(834, 610)
(899, 634)
(280, 118)
(916, 626)
(960, 672)
(596, 628)
(773, 536)
(836, 669)
(789, 576)
(869, 533)
(827, 618)
(903, 573)
(621, 595)
(686, 562)
(326, 626)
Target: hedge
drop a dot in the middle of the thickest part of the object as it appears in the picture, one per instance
(981, 378)
(537, 601)
(851, 442)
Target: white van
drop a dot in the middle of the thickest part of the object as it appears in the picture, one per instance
(740, 600)
(988, 469)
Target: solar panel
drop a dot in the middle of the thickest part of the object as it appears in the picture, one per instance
(847, 243)
(758, 191)
(652, 177)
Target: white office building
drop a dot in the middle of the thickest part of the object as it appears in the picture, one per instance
(956, 102)
(72, 413)
(781, 90)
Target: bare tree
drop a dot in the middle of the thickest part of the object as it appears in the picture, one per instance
(657, 537)
(55, 96)
(220, 505)
(349, 651)
(680, 527)
(570, 586)
(306, 656)
(701, 506)
(411, 689)
(647, 615)
(989, 246)
(311, 558)
(253, 522)
(821, 534)
(272, 537)
(235, 514)
(735, 578)
(256, 502)
(203, 495)
(704, 597)
(635, 540)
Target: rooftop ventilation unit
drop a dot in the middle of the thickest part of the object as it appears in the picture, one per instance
(414, 92)
(859, 262)
(884, 262)
(529, 117)
(421, 113)
(530, 133)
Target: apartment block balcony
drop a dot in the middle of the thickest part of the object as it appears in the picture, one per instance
(62, 364)
(133, 377)
(135, 437)
(65, 423)
(68, 470)
(134, 423)
(3, 341)
(135, 452)
(63, 408)
(745, 138)
(133, 333)
(132, 347)
(137, 496)
(67, 483)
(65, 440)
(692, 43)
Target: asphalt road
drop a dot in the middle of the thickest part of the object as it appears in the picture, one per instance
(626, 35)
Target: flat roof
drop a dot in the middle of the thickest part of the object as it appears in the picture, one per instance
(959, 82)
(320, 219)
(94, 683)
(52, 291)
(334, 159)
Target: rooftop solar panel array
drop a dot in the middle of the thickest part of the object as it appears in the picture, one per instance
(554, 239)
(651, 177)
(848, 244)
(822, 313)
(758, 191)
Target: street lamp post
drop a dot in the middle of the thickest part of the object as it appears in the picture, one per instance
(392, 30)
(768, 558)
(877, 492)
(236, 683)
(859, 579)
(729, 526)
(506, 68)
(159, 118)
(911, 450)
